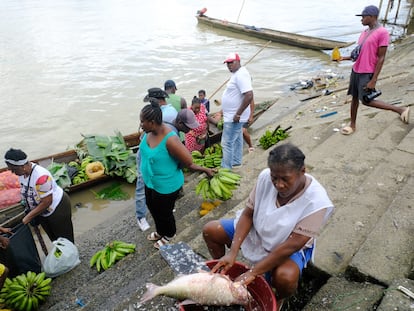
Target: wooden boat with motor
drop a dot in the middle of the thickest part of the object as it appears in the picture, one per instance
(293, 39)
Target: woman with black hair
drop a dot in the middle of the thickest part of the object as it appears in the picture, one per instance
(45, 202)
(162, 157)
(276, 230)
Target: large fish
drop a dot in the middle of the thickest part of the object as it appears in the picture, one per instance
(211, 289)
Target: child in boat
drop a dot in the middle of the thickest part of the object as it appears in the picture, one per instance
(204, 100)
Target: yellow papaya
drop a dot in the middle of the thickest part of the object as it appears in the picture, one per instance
(208, 206)
(94, 170)
(203, 212)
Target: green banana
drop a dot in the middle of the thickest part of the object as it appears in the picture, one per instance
(39, 278)
(225, 179)
(35, 302)
(112, 258)
(15, 300)
(23, 305)
(214, 185)
(45, 282)
(229, 174)
(30, 275)
(225, 190)
(22, 280)
(99, 264)
(29, 303)
(104, 260)
(94, 259)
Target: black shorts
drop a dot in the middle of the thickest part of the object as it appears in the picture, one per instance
(357, 84)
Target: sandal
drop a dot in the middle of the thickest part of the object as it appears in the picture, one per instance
(154, 236)
(405, 115)
(347, 130)
(161, 242)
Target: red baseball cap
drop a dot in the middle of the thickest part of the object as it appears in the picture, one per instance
(232, 57)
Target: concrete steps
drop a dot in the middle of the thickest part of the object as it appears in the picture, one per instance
(368, 238)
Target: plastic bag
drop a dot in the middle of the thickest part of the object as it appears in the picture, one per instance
(63, 257)
(21, 255)
(9, 197)
(9, 180)
(9, 189)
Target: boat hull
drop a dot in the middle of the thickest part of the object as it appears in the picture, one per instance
(132, 141)
(298, 40)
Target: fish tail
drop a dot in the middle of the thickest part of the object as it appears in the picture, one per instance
(150, 293)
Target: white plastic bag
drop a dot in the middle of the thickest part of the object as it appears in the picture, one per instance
(63, 257)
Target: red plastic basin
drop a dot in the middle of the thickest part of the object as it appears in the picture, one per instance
(259, 289)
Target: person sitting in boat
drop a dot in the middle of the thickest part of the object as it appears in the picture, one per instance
(202, 12)
(175, 100)
(45, 201)
(195, 139)
(204, 100)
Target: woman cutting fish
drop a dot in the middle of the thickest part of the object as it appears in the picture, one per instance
(276, 230)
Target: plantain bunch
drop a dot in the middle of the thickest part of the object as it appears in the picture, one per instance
(25, 292)
(211, 158)
(220, 186)
(269, 138)
(110, 254)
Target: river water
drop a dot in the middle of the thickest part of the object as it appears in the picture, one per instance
(72, 67)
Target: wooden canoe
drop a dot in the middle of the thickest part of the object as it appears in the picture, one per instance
(131, 141)
(298, 40)
(11, 215)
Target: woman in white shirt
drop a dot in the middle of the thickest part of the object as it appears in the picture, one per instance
(45, 202)
(276, 230)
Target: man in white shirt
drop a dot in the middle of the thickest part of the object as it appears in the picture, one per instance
(235, 101)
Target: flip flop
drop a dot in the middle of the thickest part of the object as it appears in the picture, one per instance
(347, 130)
(161, 242)
(154, 236)
(405, 116)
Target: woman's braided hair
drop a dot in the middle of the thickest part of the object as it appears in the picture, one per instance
(152, 111)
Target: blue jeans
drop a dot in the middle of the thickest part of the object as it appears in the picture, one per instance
(232, 144)
(140, 205)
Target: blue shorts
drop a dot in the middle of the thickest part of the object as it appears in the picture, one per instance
(301, 258)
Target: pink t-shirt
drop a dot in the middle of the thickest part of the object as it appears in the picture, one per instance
(368, 56)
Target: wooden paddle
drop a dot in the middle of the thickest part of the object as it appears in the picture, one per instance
(217, 102)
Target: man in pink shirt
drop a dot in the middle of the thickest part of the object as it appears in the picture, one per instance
(373, 43)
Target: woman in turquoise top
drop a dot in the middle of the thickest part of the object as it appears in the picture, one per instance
(162, 156)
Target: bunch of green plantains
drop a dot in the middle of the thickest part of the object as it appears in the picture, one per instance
(25, 292)
(220, 186)
(111, 253)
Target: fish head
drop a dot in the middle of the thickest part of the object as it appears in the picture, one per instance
(240, 293)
